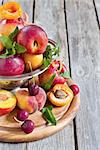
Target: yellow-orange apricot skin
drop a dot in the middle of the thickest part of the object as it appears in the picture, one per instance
(10, 10)
(25, 101)
(57, 101)
(32, 62)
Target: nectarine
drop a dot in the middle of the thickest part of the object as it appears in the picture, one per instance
(33, 38)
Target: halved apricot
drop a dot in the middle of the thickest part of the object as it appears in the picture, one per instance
(60, 95)
(10, 10)
(7, 102)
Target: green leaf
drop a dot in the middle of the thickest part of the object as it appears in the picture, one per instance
(14, 33)
(8, 53)
(44, 110)
(65, 74)
(48, 85)
(50, 107)
(46, 62)
(49, 54)
(19, 48)
(7, 43)
(48, 115)
(4, 55)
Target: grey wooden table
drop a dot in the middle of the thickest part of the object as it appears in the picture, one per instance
(75, 24)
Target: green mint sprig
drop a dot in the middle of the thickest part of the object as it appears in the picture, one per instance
(48, 115)
(11, 47)
(49, 54)
(65, 74)
(49, 83)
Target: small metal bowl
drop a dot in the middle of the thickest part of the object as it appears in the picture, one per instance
(11, 82)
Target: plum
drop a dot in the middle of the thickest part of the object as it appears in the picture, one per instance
(11, 66)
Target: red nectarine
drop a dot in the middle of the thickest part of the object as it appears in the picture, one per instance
(33, 38)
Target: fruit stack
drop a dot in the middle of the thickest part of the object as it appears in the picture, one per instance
(24, 48)
(21, 46)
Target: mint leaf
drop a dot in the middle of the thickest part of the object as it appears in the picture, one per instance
(14, 33)
(8, 53)
(48, 85)
(49, 116)
(49, 54)
(4, 55)
(19, 48)
(6, 41)
(65, 74)
(46, 62)
(50, 107)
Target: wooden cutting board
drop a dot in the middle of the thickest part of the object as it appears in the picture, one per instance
(10, 130)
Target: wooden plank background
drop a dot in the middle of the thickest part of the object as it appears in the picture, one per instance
(84, 43)
(75, 24)
(97, 10)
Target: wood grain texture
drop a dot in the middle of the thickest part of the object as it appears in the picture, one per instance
(1, 2)
(84, 43)
(50, 15)
(56, 34)
(97, 5)
(9, 134)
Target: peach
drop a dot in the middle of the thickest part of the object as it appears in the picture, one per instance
(7, 102)
(25, 101)
(33, 38)
(7, 27)
(32, 61)
(41, 98)
(30, 103)
(1, 46)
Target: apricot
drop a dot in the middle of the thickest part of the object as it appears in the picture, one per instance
(10, 10)
(32, 61)
(7, 27)
(30, 103)
(7, 102)
(60, 95)
(25, 101)
(1, 47)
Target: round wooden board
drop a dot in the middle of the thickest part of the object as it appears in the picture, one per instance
(10, 130)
